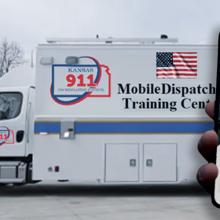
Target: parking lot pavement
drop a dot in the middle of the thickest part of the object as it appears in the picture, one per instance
(65, 201)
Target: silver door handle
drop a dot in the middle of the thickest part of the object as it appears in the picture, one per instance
(132, 162)
(149, 163)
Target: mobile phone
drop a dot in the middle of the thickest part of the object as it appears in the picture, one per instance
(216, 194)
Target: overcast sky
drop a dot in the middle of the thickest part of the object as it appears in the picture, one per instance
(32, 21)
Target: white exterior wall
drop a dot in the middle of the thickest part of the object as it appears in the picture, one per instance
(83, 158)
(128, 64)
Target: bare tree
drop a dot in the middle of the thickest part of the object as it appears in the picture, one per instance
(11, 55)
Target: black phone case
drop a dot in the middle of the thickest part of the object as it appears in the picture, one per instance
(217, 108)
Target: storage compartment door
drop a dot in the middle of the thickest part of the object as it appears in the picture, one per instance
(160, 162)
(122, 163)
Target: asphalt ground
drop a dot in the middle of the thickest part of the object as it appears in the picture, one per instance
(66, 201)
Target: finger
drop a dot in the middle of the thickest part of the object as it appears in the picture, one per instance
(210, 109)
(206, 176)
(207, 145)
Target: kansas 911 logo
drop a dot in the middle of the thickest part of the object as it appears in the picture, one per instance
(72, 84)
(6, 136)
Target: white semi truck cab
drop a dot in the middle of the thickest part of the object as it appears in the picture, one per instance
(16, 115)
(109, 111)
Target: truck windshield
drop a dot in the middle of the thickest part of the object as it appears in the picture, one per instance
(10, 105)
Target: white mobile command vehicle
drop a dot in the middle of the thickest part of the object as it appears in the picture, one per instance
(109, 111)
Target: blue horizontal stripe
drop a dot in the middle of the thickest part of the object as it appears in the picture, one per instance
(49, 127)
(127, 127)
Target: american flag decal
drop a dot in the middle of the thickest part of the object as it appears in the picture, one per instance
(176, 64)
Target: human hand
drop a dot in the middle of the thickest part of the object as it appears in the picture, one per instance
(207, 147)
